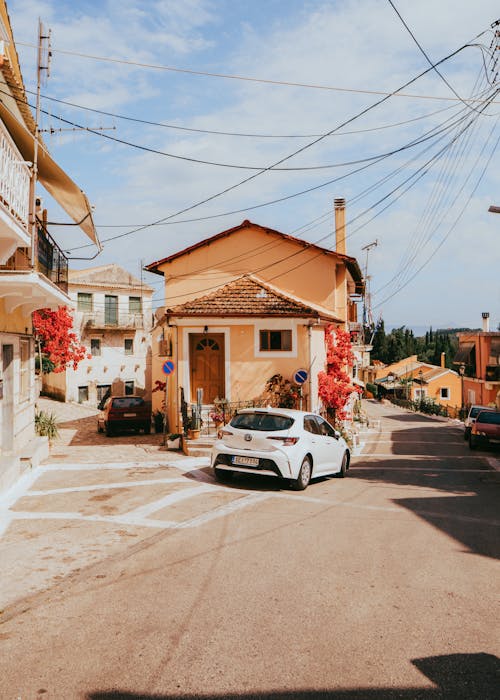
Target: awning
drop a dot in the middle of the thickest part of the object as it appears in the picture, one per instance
(52, 177)
(463, 353)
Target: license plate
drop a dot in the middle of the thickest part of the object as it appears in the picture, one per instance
(129, 415)
(245, 461)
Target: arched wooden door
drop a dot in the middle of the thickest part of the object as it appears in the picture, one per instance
(206, 362)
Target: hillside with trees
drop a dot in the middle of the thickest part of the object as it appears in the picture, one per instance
(401, 342)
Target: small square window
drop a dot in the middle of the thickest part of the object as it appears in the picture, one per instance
(95, 347)
(444, 392)
(276, 340)
(128, 345)
(84, 301)
(83, 394)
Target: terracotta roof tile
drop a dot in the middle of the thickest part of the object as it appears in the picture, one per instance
(245, 296)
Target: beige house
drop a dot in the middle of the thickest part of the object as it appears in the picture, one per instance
(246, 304)
(414, 380)
(33, 270)
(113, 319)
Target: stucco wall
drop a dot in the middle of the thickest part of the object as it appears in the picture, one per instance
(251, 250)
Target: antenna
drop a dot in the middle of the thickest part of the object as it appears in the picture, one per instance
(367, 303)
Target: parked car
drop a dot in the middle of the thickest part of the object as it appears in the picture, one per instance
(292, 445)
(471, 418)
(124, 413)
(486, 429)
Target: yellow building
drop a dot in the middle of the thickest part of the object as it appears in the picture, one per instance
(33, 271)
(414, 380)
(246, 304)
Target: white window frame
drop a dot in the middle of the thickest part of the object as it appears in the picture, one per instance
(447, 389)
(279, 324)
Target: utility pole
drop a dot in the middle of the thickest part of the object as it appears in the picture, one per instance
(367, 306)
(43, 64)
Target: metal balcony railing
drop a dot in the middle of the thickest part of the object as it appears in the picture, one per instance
(50, 260)
(110, 321)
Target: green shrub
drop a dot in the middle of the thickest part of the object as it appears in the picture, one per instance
(46, 425)
(372, 388)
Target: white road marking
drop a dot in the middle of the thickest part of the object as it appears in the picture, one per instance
(226, 509)
(100, 487)
(153, 506)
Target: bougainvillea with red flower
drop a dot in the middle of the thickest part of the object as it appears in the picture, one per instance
(60, 345)
(334, 385)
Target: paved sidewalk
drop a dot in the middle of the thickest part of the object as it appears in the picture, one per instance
(79, 440)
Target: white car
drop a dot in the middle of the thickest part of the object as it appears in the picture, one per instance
(280, 442)
(471, 418)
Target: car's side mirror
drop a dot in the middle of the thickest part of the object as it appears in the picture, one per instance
(337, 434)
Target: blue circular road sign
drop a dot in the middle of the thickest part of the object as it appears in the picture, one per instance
(168, 367)
(300, 376)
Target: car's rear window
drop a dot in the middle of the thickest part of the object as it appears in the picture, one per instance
(491, 417)
(477, 409)
(261, 421)
(128, 402)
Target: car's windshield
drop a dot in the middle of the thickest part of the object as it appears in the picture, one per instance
(261, 421)
(127, 402)
(491, 417)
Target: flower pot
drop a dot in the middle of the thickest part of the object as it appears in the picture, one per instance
(193, 434)
(174, 444)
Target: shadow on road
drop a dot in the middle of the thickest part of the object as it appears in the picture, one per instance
(469, 510)
(456, 676)
(86, 434)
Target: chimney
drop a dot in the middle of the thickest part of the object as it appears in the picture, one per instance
(486, 322)
(443, 360)
(339, 206)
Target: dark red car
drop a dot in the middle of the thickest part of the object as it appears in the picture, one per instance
(486, 430)
(122, 413)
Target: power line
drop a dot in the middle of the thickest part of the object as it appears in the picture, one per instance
(212, 132)
(228, 76)
(291, 155)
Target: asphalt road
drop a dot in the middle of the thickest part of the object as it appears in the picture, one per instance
(150, 581)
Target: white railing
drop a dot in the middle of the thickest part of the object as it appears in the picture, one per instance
(14, 180)
(98, 319)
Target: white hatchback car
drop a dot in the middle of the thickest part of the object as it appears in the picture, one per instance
(280, 442)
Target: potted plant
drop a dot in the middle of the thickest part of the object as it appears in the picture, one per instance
(217, 417)
(158, 421)
(193, 427)
(174, 441)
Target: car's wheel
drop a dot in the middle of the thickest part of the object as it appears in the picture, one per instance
(466, 433)
(99, 428)
(109, 431)
(304, 477)
(472, 442)
(223, 474)
(344, 466)
(147, 429)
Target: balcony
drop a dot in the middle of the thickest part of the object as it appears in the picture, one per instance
(14, 198)
(50, 261)
(100, 320)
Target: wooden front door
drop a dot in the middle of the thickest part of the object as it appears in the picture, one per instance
(206, 362)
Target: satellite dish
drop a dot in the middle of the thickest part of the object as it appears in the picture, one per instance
(160, 313)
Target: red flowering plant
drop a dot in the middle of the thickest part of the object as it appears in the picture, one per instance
(60, 346)
(334, 385)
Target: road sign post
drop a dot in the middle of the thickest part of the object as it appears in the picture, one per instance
(168, 369)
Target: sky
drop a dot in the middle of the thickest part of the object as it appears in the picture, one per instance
(418, 169)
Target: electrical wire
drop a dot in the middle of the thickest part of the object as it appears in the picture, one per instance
(290, 155)
(212, 132)
(228, 76)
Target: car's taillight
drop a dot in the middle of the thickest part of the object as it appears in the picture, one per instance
(285, 441)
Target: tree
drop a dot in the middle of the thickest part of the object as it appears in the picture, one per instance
(60, 346)
(334, 385)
